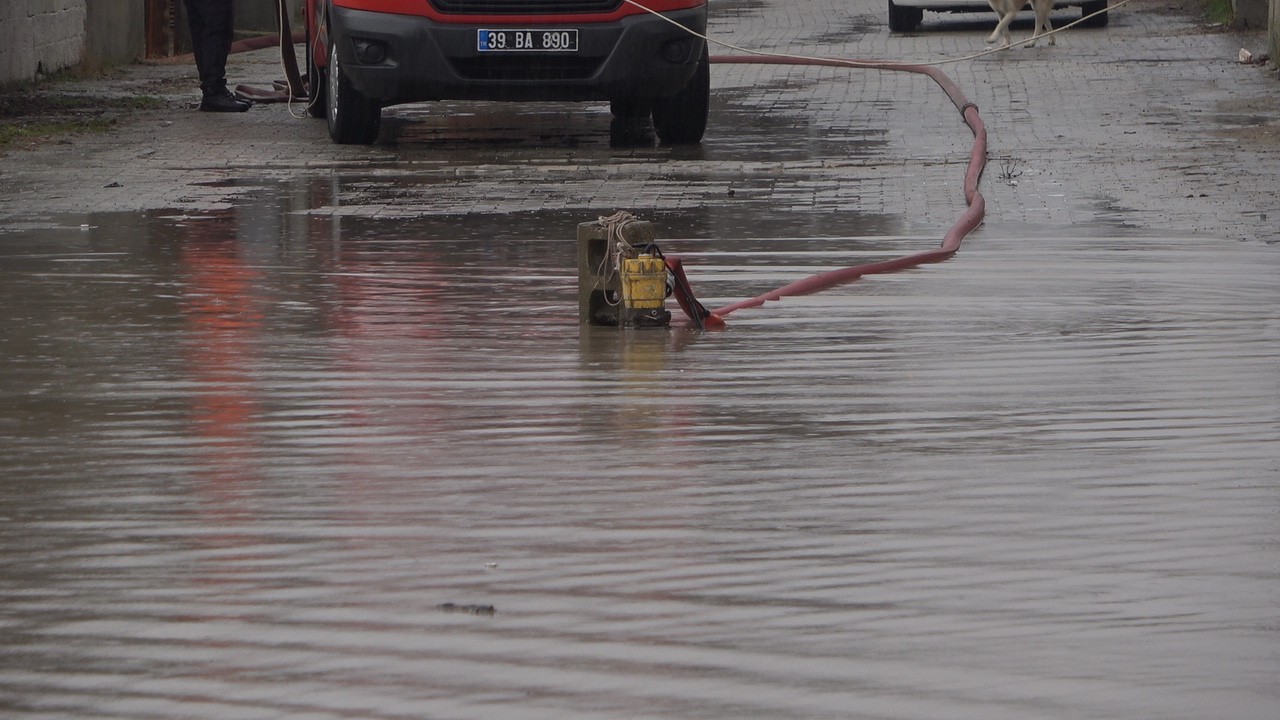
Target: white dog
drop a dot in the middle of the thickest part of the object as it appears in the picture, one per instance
(1008, 10)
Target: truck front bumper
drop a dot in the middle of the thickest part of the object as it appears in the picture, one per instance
(636, 58)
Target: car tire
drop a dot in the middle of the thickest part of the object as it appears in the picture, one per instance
(1090, 8)
(904, 19)
(316, 105)
(682, 118)
(353, 118)
(630, 109)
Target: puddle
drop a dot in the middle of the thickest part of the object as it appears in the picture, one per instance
(341, 449)
(255, 452)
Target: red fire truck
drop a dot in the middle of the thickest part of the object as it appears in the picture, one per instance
(363, 55)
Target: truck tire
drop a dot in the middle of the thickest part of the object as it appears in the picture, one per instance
(1089, 8)
(353, 118)
(904, 19)
(682, 118)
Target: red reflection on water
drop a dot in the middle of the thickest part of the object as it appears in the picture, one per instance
(223, 309)
(386, 325)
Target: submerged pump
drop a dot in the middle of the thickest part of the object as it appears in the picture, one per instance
(624, 279)
(622, 276)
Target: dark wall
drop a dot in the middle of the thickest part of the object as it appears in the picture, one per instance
(253, 17)
(114, 32)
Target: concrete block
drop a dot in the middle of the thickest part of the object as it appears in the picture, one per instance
(260, 16)
(1249, 14)
(46, 34)
(115, 32)
(599, 284)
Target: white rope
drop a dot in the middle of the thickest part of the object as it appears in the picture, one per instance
(281, 9)
(867, 63)
(618, 248)
(312, 89)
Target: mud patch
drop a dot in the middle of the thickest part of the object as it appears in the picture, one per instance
(737, 9)
(1251, 121)
(28, 118)
(1267, 136)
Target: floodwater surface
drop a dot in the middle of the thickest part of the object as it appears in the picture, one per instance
(267, 463)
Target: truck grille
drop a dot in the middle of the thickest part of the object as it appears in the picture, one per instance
(524, 7)
(526, 68)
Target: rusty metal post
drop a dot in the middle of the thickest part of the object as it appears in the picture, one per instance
(161, 17)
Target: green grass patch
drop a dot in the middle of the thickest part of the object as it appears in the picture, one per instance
(27, 104)
(32, 117)
(21, 133)
(1219, 11)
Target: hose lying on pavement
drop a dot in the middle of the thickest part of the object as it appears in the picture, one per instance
(970, 219)
(294, 86)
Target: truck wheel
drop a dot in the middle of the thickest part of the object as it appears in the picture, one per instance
(353, 118)
(1090, 8)
(630, 109)
(682, 118)
(904, 19)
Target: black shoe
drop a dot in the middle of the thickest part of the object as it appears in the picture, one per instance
(223, 101)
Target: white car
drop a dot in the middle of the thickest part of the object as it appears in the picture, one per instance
(905, 15)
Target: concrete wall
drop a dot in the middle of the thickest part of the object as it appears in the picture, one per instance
(253, 17)
(1274, 32)
(39, 35)
(260, 15)
(1250, 14)
(52, 35)
(115, 33)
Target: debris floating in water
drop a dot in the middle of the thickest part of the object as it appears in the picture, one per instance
(469, 609)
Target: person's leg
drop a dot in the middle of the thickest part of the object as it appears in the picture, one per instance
(212, 25)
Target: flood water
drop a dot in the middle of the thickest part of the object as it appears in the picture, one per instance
(261, 463)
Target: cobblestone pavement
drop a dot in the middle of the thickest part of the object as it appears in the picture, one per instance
(1148, 125)
(274, 410)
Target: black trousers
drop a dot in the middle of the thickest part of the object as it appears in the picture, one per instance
(212, 26)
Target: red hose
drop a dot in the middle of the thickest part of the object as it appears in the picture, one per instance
(259, 42)
(971, 218)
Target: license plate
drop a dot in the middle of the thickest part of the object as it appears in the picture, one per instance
(527, 40)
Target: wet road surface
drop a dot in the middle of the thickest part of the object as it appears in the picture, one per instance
(250, 454)
(279, 431)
